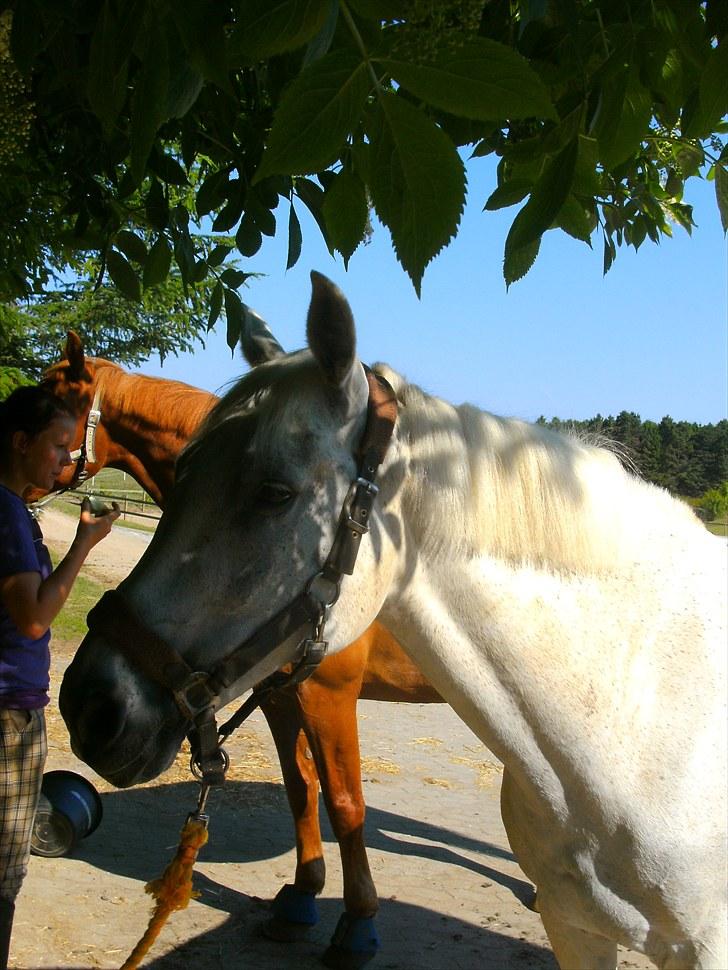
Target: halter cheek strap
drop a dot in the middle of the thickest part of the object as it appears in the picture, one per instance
(196, 693)
(87, 451)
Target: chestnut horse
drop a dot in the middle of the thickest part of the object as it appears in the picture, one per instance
(144, 423)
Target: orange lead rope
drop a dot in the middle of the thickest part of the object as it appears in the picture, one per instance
(174, 890)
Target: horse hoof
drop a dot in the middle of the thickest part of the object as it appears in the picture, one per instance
(294, 913)
(354, 943)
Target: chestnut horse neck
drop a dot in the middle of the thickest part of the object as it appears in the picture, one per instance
(144, 423)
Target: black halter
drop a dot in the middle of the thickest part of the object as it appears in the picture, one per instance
(196, 692)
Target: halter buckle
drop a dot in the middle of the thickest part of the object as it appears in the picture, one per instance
(195, 695)
(314, 651)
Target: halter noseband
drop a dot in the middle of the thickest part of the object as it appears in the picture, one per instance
(196, 692)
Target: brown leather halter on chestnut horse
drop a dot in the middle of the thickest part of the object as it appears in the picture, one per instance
(196, 692)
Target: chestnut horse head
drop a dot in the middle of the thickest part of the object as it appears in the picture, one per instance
(136, 423)
(74, 379)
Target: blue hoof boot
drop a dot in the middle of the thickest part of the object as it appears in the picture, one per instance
(294, 913)
(354, 943)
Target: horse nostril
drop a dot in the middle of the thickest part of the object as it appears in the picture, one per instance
(100, 720)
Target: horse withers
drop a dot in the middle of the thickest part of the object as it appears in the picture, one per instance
(573, 615)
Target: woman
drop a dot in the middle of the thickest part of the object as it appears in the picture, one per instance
(36, 430)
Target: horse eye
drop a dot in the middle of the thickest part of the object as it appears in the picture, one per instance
(273, 496)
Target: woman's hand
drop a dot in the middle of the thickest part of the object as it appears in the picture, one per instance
(92, 528)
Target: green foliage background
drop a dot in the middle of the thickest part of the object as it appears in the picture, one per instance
(686, 458)
(126, 123)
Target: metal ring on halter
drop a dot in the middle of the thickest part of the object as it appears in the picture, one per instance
(197, 771)
(324, 601)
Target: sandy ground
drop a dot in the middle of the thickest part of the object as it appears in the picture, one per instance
(449, 886)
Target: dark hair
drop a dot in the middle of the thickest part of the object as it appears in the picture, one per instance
(30, 409)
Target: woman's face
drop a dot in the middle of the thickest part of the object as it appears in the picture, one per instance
(44, 456)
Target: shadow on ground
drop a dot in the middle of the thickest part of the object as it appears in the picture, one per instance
(250, 822)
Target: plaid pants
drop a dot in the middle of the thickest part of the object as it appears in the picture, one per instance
(23, 749)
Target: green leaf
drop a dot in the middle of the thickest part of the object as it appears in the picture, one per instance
(313, 198)
(185, 84)
(574, 219)
(131, 245)
(184, 253)
(713, 96)
(149, 97)
(156, 268)
(156, 206)
(321, 43)
(508, 194)
(417, 183)
(233, 277)
(295, 238)
(215, 305)
(201, 25)
(518, 263)
(721, 194)
(230, 213)
(689, 158)
(548, 196)
(218, 255)
(235, 316)
(269, 27)
(610, 254)
(106, 87)
(121, 272)
(248, 238)
(636, 232)
(586, 178)
(345, 210)
(166, 168)
(481, 79)
(317, 113)
(212, 193)
(200, 269)
(623, 119)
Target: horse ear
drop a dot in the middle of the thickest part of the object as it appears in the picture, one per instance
(74, 355)
(257, 343)
(330, 330)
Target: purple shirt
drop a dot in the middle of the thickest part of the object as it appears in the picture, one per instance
(24, 663)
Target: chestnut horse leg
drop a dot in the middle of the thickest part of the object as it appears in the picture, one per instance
(327, 703)
(324, 707)
(294, 908)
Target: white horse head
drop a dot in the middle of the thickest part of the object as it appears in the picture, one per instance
(573, 616)
(265, 480)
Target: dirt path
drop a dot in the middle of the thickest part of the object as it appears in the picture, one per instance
(450, 889)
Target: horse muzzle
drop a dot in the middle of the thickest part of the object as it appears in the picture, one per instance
(125, 730)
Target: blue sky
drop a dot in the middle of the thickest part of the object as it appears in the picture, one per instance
(650, 337)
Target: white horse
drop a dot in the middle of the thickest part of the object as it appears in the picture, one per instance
(572, 615)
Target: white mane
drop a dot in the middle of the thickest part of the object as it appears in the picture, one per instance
(501, 487)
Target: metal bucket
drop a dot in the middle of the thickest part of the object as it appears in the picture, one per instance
(69, 810)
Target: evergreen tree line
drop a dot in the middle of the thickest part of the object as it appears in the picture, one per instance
(686, 458)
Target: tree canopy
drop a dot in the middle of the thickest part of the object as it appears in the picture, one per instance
(169, 319)
(128, 126)
(686, 458)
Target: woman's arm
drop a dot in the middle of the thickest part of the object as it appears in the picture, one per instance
(33, 603)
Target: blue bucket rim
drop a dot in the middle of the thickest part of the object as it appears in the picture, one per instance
(60, 773)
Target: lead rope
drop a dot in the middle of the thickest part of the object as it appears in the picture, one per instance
(173, 890)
